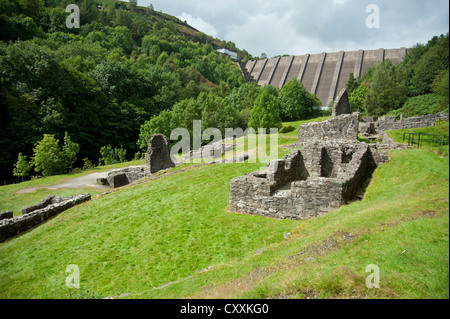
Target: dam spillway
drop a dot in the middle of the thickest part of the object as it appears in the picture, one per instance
(324, 74)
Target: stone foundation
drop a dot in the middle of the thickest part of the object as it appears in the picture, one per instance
(122, 177)
(370, 125)
(307, 183)
(38, 214)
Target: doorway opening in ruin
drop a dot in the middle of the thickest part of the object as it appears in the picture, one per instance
(326, 164)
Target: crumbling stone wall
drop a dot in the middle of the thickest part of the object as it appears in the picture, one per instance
(37, 214)
(370, 125)
(308, 182)
(158, 156)
(122, 177)
(341, 127)
(341, 105)
(6, 214)
(214, 150)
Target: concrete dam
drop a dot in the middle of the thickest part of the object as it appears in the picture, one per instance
(324, 74)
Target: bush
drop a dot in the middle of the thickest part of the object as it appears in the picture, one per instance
(22, 168)
(87, 164)
(419, 105)
(264, 114)
(48, 159)
(287, 129)
(295, 102)
(112, 155)
(70, 151)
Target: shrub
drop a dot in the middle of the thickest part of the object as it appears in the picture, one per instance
(419, 105)
(22, 168)
(87, 164)
(48, 159)
(70, 151)
(287, 129)
(264, 113)
(112, 155)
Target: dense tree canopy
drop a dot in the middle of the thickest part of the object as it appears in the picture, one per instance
(100, 82)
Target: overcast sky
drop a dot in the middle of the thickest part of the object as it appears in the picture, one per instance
(297, 27)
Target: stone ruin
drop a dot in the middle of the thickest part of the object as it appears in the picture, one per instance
(341, 105)
(342, 127)
(308, 182)
(123, 176)
(37, 214)
(157, 158)
(332, 168)
(372, 126)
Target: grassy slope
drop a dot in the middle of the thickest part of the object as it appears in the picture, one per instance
(15, 202)
(401, 226)
(143, 244)
(167, 229)
(441, 129)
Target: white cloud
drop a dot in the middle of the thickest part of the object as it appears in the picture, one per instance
(199, 24)
(310, 26)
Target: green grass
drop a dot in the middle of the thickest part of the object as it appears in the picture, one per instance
(11, 200)
(401, 226)
(441, 129)
(165, 230)
(138, 238)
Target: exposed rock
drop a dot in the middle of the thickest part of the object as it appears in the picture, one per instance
(6, 214)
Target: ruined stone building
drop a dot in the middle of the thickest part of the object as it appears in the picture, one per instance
(331, 168)
(308, 182)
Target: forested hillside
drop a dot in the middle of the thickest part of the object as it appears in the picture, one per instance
(77, 97)
(101, 81)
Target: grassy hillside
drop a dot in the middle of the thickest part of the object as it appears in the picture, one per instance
(161, 233)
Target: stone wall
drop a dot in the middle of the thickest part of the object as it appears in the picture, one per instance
(6, 214)
(122, 177)
(158, 156)
(214, 150)
(38, 214)
(308, 182)
(369, 125)
(342, 127)
(341, 105)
